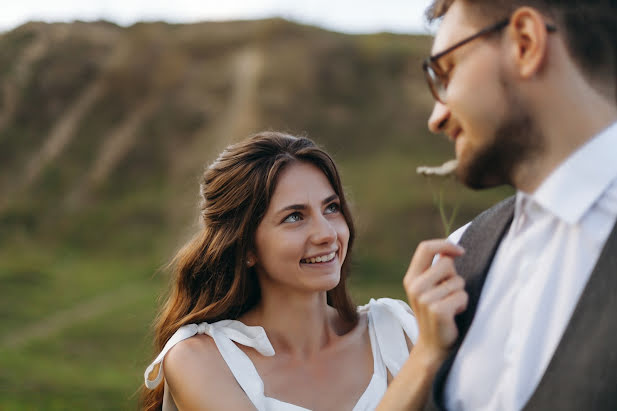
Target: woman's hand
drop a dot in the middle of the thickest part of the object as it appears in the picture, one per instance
(436, 294)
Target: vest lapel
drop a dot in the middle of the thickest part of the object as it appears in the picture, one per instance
(480, 241)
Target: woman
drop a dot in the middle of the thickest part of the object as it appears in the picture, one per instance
(260, 317)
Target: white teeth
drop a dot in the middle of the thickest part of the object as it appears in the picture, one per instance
(320, 259)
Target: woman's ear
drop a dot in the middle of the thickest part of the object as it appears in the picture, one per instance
(529, 36)
(251, 259)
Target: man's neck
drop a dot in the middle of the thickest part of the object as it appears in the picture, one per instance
(577, 114)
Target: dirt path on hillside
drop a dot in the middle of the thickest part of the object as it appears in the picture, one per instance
(22, 72)
(46, 36)
(237, 120)
(61, 133)
(116, 145)
(241, 115)
(121, 140)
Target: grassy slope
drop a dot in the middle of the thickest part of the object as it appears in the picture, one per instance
(79, 273)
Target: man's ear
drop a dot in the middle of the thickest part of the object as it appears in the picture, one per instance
(529, 39)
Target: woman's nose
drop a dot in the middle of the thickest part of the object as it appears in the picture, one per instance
(323, 231)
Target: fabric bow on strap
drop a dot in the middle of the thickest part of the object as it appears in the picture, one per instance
(223, 332)
(391, 318)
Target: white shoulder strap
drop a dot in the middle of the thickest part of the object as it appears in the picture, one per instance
(378, 362)
(392, 319)
(223, 332)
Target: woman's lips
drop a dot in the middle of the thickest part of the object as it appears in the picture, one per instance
(324, 258)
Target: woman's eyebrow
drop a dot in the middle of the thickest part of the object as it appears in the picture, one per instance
(300, 207)
(292, 207)
(330, 198)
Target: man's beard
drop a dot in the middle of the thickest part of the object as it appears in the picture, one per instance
(514, 143)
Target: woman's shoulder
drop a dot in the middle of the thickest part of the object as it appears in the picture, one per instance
(198, 376)
(193, 352)
(194, 359)
(201, 343)
(198, 345)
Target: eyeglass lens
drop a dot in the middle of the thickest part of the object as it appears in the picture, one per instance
(435, 83)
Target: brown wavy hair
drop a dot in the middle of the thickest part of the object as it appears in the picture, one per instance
(211, 280)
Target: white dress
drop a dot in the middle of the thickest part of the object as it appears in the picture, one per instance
(388, 322)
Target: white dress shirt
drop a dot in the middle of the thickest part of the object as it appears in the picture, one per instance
(536, 278)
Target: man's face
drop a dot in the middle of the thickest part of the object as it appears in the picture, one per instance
(482, 113)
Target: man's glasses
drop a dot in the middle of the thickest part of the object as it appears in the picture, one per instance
(437, 79)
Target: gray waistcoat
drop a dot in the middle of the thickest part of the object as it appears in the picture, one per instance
(582, 374)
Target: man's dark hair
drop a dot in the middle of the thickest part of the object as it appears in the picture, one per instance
(589, 28)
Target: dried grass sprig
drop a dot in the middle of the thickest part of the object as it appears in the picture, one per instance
(443, 172)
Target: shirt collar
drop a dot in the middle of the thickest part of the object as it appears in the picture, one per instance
(577, 183)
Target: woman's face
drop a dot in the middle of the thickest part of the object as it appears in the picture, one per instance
(301, 242)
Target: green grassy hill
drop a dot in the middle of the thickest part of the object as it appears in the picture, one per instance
(104, 132)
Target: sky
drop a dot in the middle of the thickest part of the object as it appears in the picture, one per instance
(349, 16)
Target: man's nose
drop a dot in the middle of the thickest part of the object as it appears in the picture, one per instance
(439, 117)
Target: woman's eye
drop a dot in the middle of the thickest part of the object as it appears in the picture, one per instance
(292, 218)
(333, 208)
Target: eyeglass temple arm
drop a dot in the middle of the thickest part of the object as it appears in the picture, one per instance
(497, 26)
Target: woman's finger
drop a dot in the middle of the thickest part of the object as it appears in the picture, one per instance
(441, 290)
(450, 306)
(417, 285)
(426, 252)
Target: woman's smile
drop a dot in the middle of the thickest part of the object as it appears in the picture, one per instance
(322, 258)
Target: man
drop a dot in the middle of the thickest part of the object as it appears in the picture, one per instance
(527, 92)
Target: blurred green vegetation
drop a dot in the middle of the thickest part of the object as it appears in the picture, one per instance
(104, 132)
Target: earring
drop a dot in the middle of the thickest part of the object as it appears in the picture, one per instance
(250, 262)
